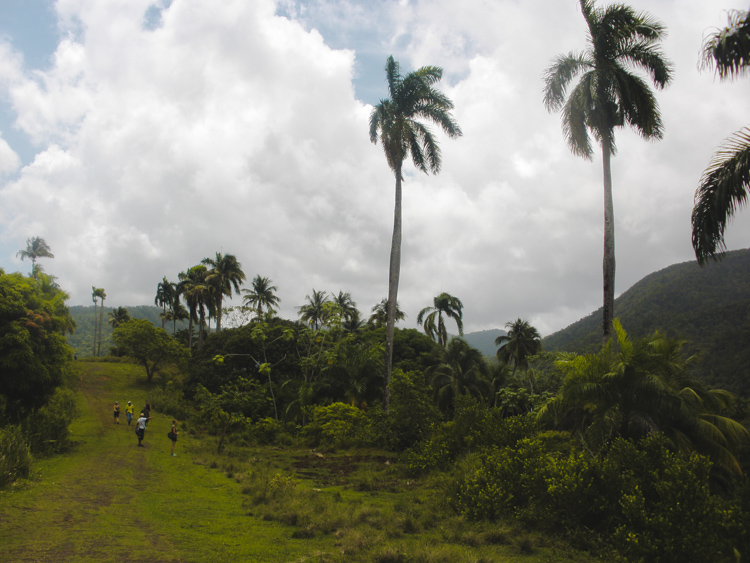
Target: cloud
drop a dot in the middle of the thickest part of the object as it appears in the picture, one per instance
(162, 140)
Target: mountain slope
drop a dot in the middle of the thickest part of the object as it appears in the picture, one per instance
(708, 307)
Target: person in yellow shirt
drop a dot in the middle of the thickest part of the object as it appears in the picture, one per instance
(129, 412)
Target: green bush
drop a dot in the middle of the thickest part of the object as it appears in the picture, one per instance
(271, 431)
(649, 502)
(474, 427)
(339, 426)
(47, 428)
(170, 401)
(15, 456)
(412, 414)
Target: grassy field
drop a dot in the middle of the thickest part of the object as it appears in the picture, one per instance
(108, 500)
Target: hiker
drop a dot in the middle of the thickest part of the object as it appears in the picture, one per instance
(117, 412)
(147, 410)
(140, 428)
(129, 412)
(173, 436)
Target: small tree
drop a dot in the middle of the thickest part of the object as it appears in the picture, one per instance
(152, 347)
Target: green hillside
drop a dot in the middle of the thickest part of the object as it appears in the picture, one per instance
(82, 340)
(709, 307)
(484, 340)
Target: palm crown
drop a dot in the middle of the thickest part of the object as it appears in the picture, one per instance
(725, 184)
(443, 304)
(261, 295)
(608, 95)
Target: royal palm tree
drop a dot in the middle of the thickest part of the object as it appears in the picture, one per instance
(261, 296)
(196, 291)
(313, 312)
(36, 247)
(609, 95)
(396, 122)
(725, 184)
(226, 273)
(521, 342)
(95, 299)
(443, 304)
(102, 296)
(379, 315)
(165, 296)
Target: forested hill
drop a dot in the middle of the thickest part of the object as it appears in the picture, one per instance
(709, 307)
(82, 340)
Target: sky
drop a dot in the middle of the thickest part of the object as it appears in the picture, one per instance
(138, 137)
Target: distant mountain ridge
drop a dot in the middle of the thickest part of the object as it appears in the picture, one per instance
(709, 307)
(484, 340)
(82, 340)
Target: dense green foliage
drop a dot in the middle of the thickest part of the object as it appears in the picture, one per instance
(33, 349)
(708, 307)
(150, 346)
(35, 408)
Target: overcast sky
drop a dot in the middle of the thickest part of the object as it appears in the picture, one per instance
(138, 137)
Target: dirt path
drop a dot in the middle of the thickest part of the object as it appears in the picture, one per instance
(108, 500)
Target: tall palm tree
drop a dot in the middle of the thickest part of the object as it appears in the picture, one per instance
(521, 342)
(196, 291)
(262, 295)
(313, 311)
(607, 96)
(226, 273)
(95, 299)
(396, 122)
(102, 296)
(443, 304)
(379, 315)
(725, 184)
(36, 247)
(165, 294)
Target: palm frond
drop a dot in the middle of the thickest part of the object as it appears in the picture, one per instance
(723, 190)
(729, 49)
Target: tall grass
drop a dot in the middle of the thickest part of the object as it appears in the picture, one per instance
(15, 455)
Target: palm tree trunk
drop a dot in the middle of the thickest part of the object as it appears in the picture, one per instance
(218, 315)
(101, 328)
(608, 264)
(96, 328)
(393, 275)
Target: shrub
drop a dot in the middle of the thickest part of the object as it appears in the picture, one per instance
(475, 427)
(652, 503)
(15, 456)
(46, 428)
(170, 401)
(412, 414)
(339, 426)
(271, 431)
